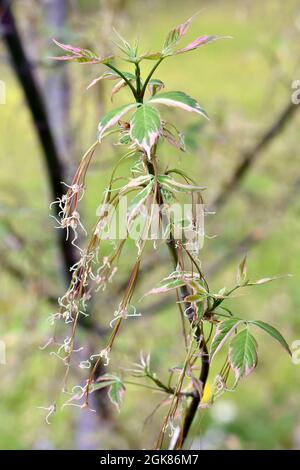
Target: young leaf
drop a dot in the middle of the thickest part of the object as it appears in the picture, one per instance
(272, 332)
(178, 99)
(116, 393)
(127, 49)
(145, 127)
(224, 330)
(103, 381)
(152, 56)
(121, 84)
(138, 201)
(112, 117)
(266, 280)
(77, 54)
(137, 182)
(169, 183)
(167, 286)
(195, 298)
(104, 76)
(177, 141)
(110, 76)
(201, 41)
(155, 85)
(175, 35)
(243, 354)
(242, 271)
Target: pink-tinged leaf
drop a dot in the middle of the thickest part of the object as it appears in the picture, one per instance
(155, 85)
(176, 141)
(175, 35)
(68, 47)
(111, 118)
(80, 55)
(266, 280)
(104, 76)
(175, 280)
(167, 287)
(111, 76)
(178, 99)
(62, 57)
(201, 41)
(116, 393)
(243, 354)
(122, 83)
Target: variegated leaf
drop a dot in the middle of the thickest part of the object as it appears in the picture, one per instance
(177, 141)
(116, 393)
(137, 182)
(122, 83)
(155, 85)
(200, 41)
(109, 76)
(112, 117)
(243, 354)
(223, 332)
(178, 99)
(242, 271)
(167, 286)
(78, 54)
(169, 183)
(266, 280)
(145, 127)
(175, 35)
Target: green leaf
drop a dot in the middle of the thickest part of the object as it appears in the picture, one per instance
(272, 332)
(116, 393)
(112, 117)
(145, 127)
(224, 330)
(124, 46)
(243, 354)
(178, 99)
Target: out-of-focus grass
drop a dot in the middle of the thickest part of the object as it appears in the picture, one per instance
(234, 81)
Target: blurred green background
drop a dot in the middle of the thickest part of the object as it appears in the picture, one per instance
(244, 84)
